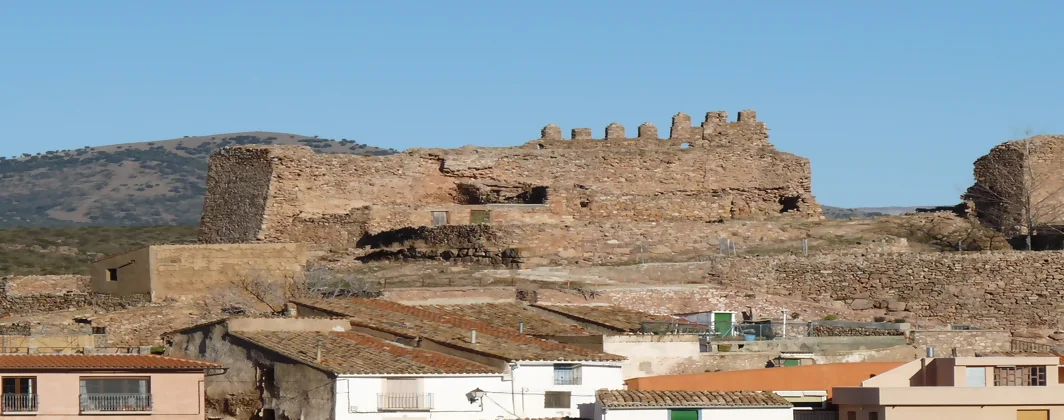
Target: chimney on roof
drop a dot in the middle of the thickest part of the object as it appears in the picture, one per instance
(473, 339)
(317, 356)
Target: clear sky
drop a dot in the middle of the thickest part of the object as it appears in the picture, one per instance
(892, 102)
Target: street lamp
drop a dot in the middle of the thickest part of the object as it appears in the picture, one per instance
(475, 395)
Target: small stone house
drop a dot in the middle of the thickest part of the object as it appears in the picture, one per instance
(182, 271)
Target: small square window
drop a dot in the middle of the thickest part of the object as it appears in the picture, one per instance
(439, 218)
(479, 217)
(567, 374)
(112, 274)
(557, 399)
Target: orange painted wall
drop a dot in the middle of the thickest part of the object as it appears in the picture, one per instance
(796, 378)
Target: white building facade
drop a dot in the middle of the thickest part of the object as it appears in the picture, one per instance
(529, 389)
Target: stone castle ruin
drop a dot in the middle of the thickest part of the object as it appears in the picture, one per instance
(547, 200)
(1019, 184)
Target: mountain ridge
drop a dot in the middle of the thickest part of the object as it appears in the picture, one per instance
(147, 183)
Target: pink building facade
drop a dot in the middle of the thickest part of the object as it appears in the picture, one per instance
(102, 386)
(969, 388)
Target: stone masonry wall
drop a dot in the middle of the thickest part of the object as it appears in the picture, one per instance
(730, 171)
(967, 342)
(246, 185)
(590, 242)
(37, 294)
(999, 289)
(839, 331)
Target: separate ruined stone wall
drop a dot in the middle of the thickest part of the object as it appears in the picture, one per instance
(992, 289)
(48, 302)
(729, 172)
(32, 285)
(35, 294)
(967, 342)
(1010, 172)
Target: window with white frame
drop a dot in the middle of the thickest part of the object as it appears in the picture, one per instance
(404, 394)
(566, 374)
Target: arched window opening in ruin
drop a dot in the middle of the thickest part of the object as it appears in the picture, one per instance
(685, 145)
(585, 203)
(788, 204)
(540, 146)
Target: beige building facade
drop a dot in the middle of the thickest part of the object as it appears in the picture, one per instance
(182, 271)
(970, 388)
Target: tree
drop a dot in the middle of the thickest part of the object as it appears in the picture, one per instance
(1017, 191)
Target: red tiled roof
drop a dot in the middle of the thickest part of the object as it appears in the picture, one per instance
(409, 321)
(612, 316)
(512, 315)
(99, 361)
(693, 399)
(359, 354)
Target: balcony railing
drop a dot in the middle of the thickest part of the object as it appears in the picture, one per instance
(115, 403)
(404, 402)
(19, 403)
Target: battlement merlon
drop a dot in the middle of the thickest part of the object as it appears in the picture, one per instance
(715, 130)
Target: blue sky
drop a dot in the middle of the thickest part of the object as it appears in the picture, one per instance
(891, 102)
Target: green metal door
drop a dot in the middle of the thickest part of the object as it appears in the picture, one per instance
(722, 323)
(683, 414)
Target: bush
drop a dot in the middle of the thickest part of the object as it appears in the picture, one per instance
(831, 317)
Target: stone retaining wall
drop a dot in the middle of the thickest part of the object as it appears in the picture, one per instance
(986, 289)
(29, 304)
(967, 342)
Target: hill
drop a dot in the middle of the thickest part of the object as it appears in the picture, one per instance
(863, 212)
(69, 250)
(150, 183)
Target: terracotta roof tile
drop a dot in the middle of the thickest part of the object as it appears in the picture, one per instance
(359, 354)
(449, 329)
(692, 399)
(99, 361)
(611, 316)
(511, 315)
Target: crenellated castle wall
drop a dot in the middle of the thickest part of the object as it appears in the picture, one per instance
(717, 171)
